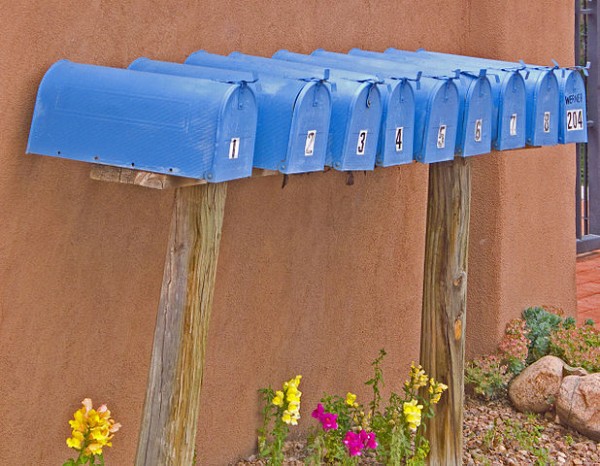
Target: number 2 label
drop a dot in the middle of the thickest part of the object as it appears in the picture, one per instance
(234, 148)
(362, 142)
(309, 146)
(574, 119)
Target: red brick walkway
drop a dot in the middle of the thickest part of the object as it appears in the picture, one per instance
(588, 287)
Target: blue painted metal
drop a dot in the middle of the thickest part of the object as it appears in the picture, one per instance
(293, 115)
(396, 136)
(508, 92)
(475, 111)
(436, 101)
(573, 112)
(356, 110)
(164, 124)
(542, 87)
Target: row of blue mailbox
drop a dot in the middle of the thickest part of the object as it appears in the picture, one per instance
(216, 117)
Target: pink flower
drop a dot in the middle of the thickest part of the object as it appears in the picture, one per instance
(353, 443)
(318, 412)
(329, 421)
(368, 439)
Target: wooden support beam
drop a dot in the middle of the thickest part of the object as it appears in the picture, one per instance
(153, 180)
(445, 302)
(169, 422)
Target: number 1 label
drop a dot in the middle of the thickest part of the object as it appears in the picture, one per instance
(362, 142)
(399, 138)
(234, 148)
(309, 146)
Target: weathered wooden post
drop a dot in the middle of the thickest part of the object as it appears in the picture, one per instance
(445, 302)
(169, 422)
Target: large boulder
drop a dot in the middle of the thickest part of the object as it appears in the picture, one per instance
(578, 404)
(536, 388)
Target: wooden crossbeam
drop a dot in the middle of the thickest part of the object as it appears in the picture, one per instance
(445, 302)
(153, 180)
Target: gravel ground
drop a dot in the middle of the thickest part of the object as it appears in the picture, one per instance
(495, 434)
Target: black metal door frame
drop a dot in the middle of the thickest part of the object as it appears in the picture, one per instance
(587, 190)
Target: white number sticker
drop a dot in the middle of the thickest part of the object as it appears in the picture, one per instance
(546, 122)
(441, 139)
(478, 130)
(574, 120)
(362, 142)
(399, 138)
(234, 148)
(309, 146)
(513, 124)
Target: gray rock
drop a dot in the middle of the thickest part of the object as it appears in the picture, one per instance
(578, 404)
(536, 388)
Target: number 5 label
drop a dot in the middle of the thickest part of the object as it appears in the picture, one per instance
(362, 142)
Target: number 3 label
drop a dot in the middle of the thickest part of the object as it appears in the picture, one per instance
(362, 142)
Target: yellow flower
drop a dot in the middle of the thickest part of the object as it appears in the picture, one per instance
(418, 377)
(412, 414)
(278, 400)
(91, 429)
(435, 390)
(75, 441)
(292, 383)
(290, 417)
(350, 399)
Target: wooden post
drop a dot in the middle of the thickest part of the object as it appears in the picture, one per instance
(445, 302)
(169, 422)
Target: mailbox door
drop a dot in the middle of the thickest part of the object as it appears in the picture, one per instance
(512, 109)
(573, 115)
(542, 108)
(476, 128)
(234, 152)
(310, 130)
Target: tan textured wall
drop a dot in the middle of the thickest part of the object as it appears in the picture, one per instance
(312, 279)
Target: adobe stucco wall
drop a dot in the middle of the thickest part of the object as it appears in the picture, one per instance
(312, 279)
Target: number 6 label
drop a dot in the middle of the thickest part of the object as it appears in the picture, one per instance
(478, 125)
(362, 142)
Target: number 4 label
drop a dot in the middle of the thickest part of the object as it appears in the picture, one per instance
(362, 142)
(399, 138)
(574, 119)
(234, 148)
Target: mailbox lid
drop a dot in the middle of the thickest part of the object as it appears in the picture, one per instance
(310, 130)
(396, 138)
(512, 113)
(573, 114)
(542, 108)
(476, 128)
(159, 123)
(440, 122)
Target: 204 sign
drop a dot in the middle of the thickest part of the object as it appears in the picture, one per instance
(574, 119)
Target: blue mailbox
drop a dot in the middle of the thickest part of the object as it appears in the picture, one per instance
(573, 113)
(293, 116)
(542, 124)
(396, 137)
(436, 106)
(356, 109)
(475, 111)
(508, 92)
(166, 124)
